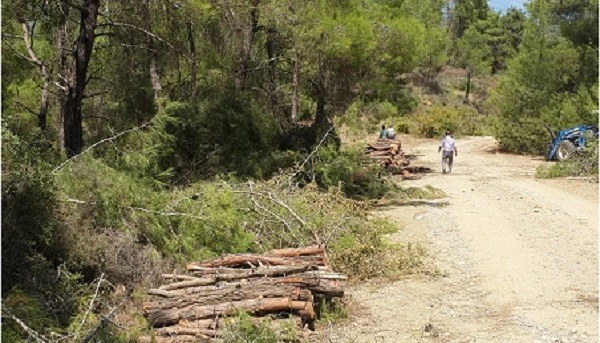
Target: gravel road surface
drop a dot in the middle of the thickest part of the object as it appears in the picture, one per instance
(513, 259)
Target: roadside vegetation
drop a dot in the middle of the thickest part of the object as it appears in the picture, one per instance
(584, 164)
(185, 130)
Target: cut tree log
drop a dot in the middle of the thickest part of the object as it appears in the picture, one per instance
(244, 260)
(293, 252)
(254, 272)
(180, 277)
(159, 318)
(329, 288)
(186, 284)
(378, 147)
(379, 153)
(177, 339)
(177, 330)
(382, 158)
(231, 295)
(215, 323)
(281, 283)
(306, 279)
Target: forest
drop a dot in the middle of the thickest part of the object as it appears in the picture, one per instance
(138, 136)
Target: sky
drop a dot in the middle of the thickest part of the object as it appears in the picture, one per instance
(503, 5)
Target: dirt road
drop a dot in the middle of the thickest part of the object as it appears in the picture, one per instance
(516, 258)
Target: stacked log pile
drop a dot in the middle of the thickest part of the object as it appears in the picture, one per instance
(281, 283)
(387, 152)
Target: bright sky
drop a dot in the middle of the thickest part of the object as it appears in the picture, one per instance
(503, 5)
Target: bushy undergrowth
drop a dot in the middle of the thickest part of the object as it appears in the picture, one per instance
(435, 120)
(127, 225)
(131, 229)
(429, 121)
(366, 116)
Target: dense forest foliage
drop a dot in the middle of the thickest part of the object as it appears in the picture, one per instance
(138, 135)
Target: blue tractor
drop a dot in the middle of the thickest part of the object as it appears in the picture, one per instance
(567, 142)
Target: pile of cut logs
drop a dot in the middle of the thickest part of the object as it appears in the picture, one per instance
(284, 283)
(387, 152)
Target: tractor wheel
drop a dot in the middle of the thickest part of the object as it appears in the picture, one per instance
(565, 150)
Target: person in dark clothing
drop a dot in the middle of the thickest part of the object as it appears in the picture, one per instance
(383, 132)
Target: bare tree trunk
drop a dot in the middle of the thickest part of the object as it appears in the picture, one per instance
(272, 70)
(77, 81)
(468, 86)
(249, 34)
(295, 76)
(43, 115)
(154, 70)
(320, 115)
(64, 73)
(154, 75)
(194, 68)
(28, 39)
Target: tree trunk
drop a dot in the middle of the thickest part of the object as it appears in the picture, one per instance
(63, 36)
(78, 78)
(295, 76)
(193, 66)
(248, 40)
(468, 86)
(43, 115)
(272, 70)
(320, 115)
(320, 89)
(154, 70)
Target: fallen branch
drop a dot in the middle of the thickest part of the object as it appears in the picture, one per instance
(276, 201)
(141, 209)
(109, 139)
(32, 333)
(103, 321)
(273, 214)
(301, 166)
(87, 312)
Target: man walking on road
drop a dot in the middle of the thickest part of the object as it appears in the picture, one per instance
(448, 145)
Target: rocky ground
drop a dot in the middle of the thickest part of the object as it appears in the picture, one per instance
(511, 258)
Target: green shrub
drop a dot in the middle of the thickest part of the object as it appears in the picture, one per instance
(519, 127)
(242, 328)
(427, 193)
(30, 219)
(25, 307)
(435, 120)
(368, 116)
(197, 222)
(364, 253)
(348, 169)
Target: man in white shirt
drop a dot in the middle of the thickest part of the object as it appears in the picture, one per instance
(448, 145)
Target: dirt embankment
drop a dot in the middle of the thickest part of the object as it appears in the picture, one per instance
(513, 259)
